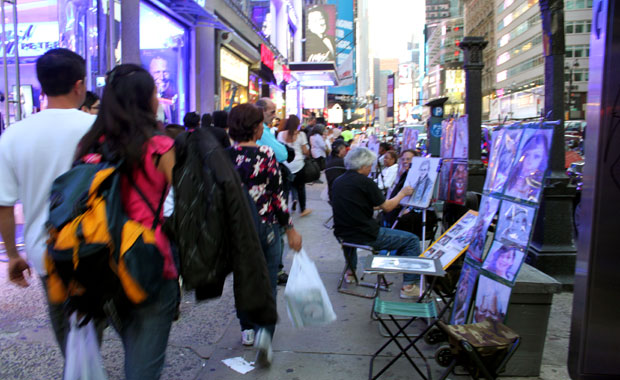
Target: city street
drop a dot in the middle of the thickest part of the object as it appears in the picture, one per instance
(209, 332)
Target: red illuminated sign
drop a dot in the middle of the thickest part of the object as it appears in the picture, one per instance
(266, 56)
(286, 71)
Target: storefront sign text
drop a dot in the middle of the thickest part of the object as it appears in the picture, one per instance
(34, 38)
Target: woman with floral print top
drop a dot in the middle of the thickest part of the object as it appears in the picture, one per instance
(258, 169)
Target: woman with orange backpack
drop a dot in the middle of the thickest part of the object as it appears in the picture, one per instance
(126, 131)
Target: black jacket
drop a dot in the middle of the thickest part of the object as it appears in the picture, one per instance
(334, 168)
(214, 227)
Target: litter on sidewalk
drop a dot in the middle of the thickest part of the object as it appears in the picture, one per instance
(239, 364)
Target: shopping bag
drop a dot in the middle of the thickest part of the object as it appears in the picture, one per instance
(82, 358)
(306, 298)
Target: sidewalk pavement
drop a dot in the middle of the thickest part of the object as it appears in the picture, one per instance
(209, 332)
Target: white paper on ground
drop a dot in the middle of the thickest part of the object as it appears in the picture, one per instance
(239, 364)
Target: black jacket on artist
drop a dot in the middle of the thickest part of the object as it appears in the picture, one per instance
(214, 227)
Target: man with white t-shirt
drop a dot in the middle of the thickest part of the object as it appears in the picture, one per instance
(33, 152)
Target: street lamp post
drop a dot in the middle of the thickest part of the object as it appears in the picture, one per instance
(569, 103)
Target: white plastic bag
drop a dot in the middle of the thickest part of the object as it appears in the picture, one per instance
(306, 298)
(83, 360)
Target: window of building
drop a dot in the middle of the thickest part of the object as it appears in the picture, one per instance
(579, 28)
(569, 27)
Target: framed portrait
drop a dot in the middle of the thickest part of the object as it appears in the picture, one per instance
(515, 223)
(461, 138)
(492, 298)
(410, 138)
(464, 293)
(526, 177)
(421, 177)
(488, 209)
(447, 138)
(457, 182)
(506, 154)
(450, 246)
(444, 179)
(496, 140)
(504, 260)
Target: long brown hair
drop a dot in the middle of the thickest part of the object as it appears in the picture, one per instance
(292, 123)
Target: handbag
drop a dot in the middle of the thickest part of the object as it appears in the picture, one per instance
(311, 170)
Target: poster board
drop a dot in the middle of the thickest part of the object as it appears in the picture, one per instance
(422, 177)
(454, 242)
(518, 163)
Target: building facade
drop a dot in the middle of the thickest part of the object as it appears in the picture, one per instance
(479, 22)
(445, 75)
(519, 71)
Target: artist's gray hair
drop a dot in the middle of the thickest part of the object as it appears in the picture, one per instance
(357, 158)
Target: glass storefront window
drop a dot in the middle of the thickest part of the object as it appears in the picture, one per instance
(164, 51)
(233, 94)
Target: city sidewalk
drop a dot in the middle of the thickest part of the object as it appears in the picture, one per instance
(209, 332)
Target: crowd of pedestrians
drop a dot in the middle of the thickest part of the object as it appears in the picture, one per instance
(268, 159)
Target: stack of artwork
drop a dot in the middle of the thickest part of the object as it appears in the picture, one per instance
(453, 243)
(519, 159)
(454, 151)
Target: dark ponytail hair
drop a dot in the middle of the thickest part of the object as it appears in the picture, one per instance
(126, 119)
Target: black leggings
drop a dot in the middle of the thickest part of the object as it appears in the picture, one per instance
(299, 183)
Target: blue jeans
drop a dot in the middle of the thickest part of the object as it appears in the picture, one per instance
(145, 332)
(271, 244)
(405, 244)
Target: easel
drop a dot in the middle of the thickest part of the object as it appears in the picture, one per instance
(407, 210)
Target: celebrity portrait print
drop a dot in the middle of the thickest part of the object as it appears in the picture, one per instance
(488, 209)
(464, 293)
(525, 179)
(492, 300)
(496, 140)
(506, 157)
(504, 261)
(515, 223)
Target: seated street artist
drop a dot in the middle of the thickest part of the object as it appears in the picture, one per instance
(354, 198)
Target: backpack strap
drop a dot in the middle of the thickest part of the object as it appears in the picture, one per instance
(157, 212)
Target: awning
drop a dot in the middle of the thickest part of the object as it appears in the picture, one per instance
(315, 74)
(193, 12)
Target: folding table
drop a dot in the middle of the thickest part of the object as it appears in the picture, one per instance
(411, 310)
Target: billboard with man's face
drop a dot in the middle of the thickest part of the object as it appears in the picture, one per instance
(320, 33)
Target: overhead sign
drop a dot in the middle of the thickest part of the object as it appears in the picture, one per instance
(233, 68)
(345, 47)
(35, 38)
(286, 73)
(390, 95)
(320, 33)
(267, 57)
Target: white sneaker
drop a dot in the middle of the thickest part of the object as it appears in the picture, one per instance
(247, 337)
(264, 356)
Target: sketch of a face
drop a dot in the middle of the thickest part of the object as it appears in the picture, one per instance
(515, 222)
(532, 159)
(316, 23)
(424, 169)
(517, 226)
